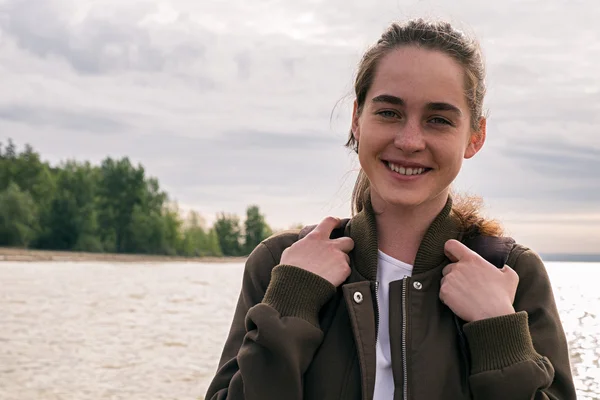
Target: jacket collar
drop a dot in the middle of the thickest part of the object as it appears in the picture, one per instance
(362, 229)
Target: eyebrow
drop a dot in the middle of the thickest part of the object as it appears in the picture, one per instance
(388, 98)
(440, 106)
(434, 106)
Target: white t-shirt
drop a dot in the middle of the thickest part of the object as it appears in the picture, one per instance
(388, 270)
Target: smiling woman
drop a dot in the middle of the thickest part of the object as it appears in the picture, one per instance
(416, 296)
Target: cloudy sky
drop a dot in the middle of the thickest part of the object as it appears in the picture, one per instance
(236, 102)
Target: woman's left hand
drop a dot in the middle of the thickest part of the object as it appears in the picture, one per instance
(473, 288)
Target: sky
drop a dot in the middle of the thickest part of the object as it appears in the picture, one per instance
(239, 102)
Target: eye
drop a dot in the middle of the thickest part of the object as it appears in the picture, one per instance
(440, 120)
(388, 113)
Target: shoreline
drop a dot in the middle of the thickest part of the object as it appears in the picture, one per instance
(27, 255)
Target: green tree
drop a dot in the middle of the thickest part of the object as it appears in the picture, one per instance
(227, 228)
(18, 216)
(256, 229)
(120, 188)
(31, 175)
(195, 239)
(213, 246)
(147, 232)
(172, 229)
(72, 221)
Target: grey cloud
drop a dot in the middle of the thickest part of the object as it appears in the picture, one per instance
(514, 73)
(560, 160)
(244, 65)
(94, 46)
(553, 172)
(290, 65)
(279, 141)
(81, 122)
(190, 166)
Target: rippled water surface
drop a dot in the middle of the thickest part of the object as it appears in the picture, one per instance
(78, 331)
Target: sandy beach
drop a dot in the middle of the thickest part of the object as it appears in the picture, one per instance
(26, 255)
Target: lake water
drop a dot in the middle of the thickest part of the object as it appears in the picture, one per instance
(78, 331)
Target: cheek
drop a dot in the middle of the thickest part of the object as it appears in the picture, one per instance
(449, 154)
(371, 140)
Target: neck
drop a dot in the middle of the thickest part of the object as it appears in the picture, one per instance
(400, 230)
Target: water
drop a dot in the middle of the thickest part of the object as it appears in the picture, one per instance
(78, 331)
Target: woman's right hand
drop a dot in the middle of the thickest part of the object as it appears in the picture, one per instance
(319, 254)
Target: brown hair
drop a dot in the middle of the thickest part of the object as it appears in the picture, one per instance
(440, 36)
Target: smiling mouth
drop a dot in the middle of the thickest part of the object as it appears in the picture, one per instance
(406, 171)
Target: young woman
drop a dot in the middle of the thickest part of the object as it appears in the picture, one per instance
(393, 304)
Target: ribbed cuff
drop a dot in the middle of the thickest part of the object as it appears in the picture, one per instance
(295, 292)
(498, 342)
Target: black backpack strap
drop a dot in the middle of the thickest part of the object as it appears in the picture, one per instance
(336, 233)
(494, 250)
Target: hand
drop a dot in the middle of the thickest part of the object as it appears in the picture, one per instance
(319, 254)
(473, 288)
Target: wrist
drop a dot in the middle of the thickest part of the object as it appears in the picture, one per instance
(495, 313)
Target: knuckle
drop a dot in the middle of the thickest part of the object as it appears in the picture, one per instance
(515, 277)
(347, 271)
(330, 219)
(471, 256)
(331, 247)
(442, 295)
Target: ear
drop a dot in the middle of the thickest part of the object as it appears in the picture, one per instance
(355, 124)
(477, 139)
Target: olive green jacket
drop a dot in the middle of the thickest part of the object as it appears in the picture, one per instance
(295, 336)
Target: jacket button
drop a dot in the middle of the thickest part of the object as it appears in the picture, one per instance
(418, 285)
(358, 297)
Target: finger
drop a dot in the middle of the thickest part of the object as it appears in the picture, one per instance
(442, 297)
(510, 272)
(456, 251)
(345, 244)
(326, 226)
(448, 268)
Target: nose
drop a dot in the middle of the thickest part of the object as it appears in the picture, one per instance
(410, 137)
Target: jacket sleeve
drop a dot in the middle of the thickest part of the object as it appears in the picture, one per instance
(525, 355)
(274, 333)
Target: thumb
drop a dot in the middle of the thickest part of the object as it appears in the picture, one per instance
(455, 250)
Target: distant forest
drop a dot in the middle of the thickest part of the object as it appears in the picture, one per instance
(114, 207)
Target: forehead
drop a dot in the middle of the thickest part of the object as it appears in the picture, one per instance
(420, 76)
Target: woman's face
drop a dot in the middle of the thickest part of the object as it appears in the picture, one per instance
(414, 129)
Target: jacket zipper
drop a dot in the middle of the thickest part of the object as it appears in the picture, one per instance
(404, 361)
(376, 311)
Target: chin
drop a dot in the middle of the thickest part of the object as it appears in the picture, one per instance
(408, 199)
(402, 198)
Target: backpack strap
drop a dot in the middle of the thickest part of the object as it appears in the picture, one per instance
(336, 233)
(494, 250)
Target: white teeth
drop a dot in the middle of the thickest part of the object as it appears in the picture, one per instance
(405, 171)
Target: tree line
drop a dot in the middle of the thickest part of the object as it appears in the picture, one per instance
(113, 207)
